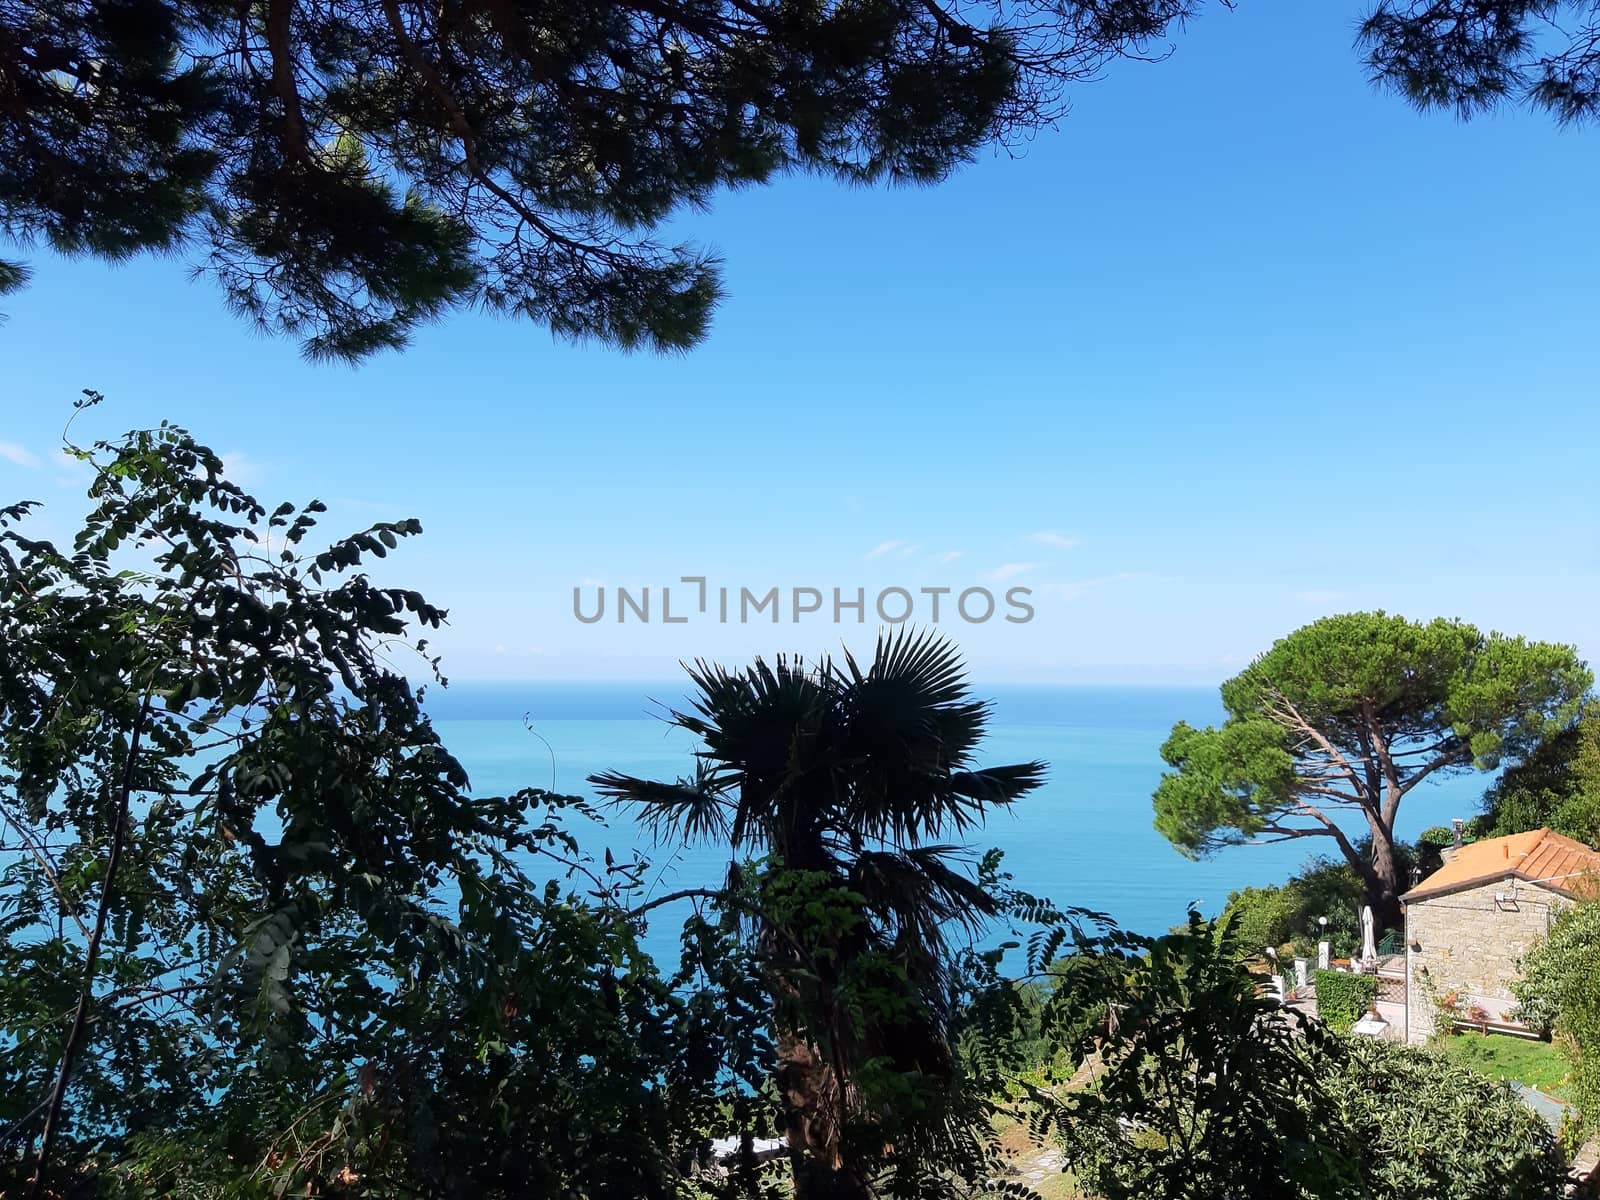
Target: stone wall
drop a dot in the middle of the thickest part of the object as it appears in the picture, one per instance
(1466, 942)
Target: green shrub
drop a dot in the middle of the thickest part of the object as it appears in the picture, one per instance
(1342, 997)
(1211, 1092)
(1265, 916)
(1573, 1134)
(1428, 1129)
(1557, 992)
(1286, 914)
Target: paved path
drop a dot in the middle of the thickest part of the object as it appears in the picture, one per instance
(1548, 1107)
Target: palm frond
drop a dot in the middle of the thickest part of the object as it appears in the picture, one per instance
(910, 733)
(924, 665)
(999, 786)
(922, 890)
(687, 810)
(913, 702)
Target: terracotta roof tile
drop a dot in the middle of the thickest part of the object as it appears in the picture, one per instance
(1538, 856)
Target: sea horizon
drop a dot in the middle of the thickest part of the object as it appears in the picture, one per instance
(1084, 839)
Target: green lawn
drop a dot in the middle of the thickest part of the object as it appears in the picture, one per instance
(1536, 1064)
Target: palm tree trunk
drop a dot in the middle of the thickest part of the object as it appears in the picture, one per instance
(813, 1112)
(810, 1088)
(803, 1085)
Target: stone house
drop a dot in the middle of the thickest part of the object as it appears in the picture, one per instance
(1470, 922)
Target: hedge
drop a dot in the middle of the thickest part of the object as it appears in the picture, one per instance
(1343, 998)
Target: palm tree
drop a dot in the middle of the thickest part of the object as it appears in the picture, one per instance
(845, 780)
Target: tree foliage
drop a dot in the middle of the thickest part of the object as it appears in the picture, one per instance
(257, 934)
(1206, 1089)
(1266, 918)
(348, 170)
(1470, 56)
(1341, 719)
(1558, 786)
(1287, 914)
(847, 778)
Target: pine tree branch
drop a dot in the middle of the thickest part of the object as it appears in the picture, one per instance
(281, 48)
(1282, 710)
(1391, 776)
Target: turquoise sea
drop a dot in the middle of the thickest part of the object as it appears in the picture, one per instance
(1085, 838)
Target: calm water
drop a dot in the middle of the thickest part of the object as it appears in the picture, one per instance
(1085, 838)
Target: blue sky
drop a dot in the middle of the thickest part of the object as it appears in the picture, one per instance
(1240, 344)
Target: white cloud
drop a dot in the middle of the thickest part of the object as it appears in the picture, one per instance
(70, 471)
(238, 467)
(1009, 571)
(908, 551)
(1056, 541)
(949, 556)
(883, 548)
(19, 455)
